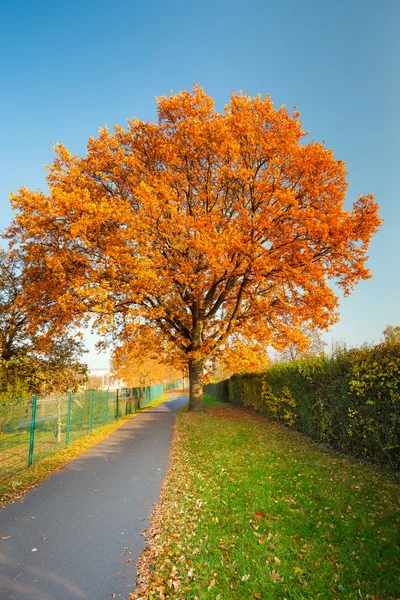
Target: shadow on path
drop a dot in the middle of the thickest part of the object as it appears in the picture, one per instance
(85, 520)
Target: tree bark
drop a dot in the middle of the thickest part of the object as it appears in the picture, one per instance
(196, 402)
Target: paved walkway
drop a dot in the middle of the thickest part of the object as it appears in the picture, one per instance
(86, 520)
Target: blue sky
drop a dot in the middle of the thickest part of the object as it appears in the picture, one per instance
(68, 68)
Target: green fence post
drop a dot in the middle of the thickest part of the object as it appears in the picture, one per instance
(69, 406)
(116, 403)
(91, 410)
(106, 406)
(32, 434)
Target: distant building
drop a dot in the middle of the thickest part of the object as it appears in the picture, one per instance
(103, 378)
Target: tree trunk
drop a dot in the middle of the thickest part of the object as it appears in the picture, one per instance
(196, 402)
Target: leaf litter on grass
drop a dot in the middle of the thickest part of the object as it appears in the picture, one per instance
(251, 509)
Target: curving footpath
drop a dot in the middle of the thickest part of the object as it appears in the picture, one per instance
(85, 521)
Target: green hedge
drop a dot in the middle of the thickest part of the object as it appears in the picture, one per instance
(350, 400)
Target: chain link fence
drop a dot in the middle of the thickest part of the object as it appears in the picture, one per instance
(40, 426)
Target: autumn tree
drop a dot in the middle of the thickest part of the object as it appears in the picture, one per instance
(391, 334)
(201, 225)
(138, 371)
(142, 361)
(95, 382)
(30, 363)
(236, 355)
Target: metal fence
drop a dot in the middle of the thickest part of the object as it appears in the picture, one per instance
(174, 385)
(40, 426)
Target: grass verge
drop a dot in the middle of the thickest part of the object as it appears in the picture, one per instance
(18, 485)
(250, 509)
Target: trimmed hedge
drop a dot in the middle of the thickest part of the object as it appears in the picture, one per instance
(350, 400)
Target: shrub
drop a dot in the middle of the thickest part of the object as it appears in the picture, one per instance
(350, 400)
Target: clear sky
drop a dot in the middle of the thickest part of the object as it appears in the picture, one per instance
(68, 68)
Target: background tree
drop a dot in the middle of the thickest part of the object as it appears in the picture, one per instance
(201, 225)
(312, 345)
(391, 334)
(59, 368)
(14, 336)
(236, 355)
(30, 364)
(95, 382)
(141, 361)
(139, 370)
(57, 371)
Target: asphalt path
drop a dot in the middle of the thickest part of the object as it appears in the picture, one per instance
(78, 535)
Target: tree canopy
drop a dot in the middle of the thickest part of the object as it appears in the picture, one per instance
(201, 225)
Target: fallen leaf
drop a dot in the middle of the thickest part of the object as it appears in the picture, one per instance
(277, 560)
(95, 491)
(259, 515)
(6, 537)
(274, 576)
(128, 560)
(212, 583)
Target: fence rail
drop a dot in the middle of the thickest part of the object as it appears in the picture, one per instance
(40, 426)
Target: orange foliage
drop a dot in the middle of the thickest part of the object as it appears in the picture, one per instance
(237, 355)
(202, 224)
(139, 371)
(139, 361)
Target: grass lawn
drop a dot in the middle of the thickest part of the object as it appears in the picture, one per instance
(251, 509)
(14, 454)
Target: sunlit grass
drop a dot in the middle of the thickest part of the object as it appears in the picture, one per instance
(254, 510)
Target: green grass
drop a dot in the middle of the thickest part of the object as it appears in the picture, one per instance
(251, 509)
(49, 456)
